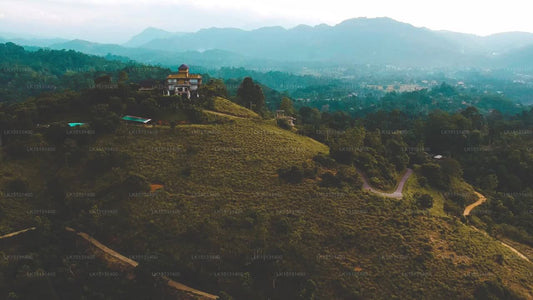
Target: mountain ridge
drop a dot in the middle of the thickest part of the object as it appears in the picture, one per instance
(357, 41)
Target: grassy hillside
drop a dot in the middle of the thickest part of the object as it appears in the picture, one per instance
(225, 106)
(224, 222)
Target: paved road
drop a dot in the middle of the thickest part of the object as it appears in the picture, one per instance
(397, 194)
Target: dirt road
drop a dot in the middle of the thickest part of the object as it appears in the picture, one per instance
(481, 200)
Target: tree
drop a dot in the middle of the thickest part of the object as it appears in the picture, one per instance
(395, 152)
(451, 168)
(251, 95)
(104, 120)
(286, 105)
(310, 116)
(348, 145)
(424, 201)
(489, 182)
(292, 174)
(330, 180)
(149, 107)
(284, 123)
(433, 172)
(102, 80)
(214, 88)
(123, 77)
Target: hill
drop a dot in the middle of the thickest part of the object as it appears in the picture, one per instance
(357, 41)
(360, 41)
(171, 58)
(28, 73)
(147, 35)
(517, 59)
(378, 41)
(228, 222)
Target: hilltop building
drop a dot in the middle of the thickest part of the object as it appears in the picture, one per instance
(183, 83)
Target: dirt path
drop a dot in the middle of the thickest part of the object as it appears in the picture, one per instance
(133, 264)
(104, 248)
(515, 251)
(504, 244)
(182, 287)
(481, 200)
(397, 194)
(16, 233)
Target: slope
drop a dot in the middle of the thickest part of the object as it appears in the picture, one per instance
(224, 223)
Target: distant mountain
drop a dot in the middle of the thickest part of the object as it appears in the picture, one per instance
(508, 41)
(360, 41)
(489, 45)
(215, 58)
(147, 35)
(356, 41)
(36, 42)
(520, 59)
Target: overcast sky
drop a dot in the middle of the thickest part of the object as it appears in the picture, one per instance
(115, 21)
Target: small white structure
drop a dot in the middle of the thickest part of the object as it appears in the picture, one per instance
(280, 115)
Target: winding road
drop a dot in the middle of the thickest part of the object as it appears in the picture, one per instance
(397, 194)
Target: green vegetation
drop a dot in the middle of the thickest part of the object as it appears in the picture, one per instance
(251, 95)
(249, 210)
(30, 73)
(227, 107)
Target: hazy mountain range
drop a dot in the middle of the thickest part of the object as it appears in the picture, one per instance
(379, 41)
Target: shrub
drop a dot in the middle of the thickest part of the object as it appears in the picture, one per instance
(195, 115)
(350, 176)
(135, 183)
(433, 173)
(330, 180)
(452, 208)
(489, 290)
(283, 123)
(17, 185)
(424, 201)
(309, 170)
(422, 181)
(324, 160)
(292, 174)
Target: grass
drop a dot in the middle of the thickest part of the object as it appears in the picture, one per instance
(222, 198)
(225, 106)
(413, 186)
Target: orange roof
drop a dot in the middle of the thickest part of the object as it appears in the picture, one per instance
(184, 76)
(155, 187)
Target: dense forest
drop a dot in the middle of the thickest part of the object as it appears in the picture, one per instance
(493, 152)
(29, 73)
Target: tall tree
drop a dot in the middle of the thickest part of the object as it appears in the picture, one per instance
(286, 105)
(251, 95)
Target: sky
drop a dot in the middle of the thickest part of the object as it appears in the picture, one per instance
(116, 21)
